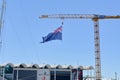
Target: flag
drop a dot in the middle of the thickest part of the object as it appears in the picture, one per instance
(55, 35)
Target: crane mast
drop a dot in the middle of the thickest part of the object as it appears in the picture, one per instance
(95, 18)
(1, 24)
(1, 20)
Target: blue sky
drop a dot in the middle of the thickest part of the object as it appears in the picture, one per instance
(23, 30)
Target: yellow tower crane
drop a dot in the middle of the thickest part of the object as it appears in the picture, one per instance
(95, 18)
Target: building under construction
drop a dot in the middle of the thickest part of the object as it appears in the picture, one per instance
(41, 72)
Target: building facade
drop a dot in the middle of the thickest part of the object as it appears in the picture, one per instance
(38, 72)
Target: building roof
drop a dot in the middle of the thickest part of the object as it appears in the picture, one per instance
(48, 66)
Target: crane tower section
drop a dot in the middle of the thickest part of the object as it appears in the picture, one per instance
(1, 21)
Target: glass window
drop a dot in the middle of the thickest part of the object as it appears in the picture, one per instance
(60, 75)
(25, 75)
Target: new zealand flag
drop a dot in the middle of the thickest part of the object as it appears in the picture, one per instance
(56, 35)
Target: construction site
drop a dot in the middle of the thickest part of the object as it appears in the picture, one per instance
(11, 71)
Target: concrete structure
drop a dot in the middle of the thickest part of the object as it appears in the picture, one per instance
(42, 72)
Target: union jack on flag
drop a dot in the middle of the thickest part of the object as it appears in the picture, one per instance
(56, 35)
(59, 29)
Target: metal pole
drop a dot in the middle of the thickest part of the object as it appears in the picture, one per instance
(115, 75)
(71, 75)
(17, 73)
(97, 50)
(77, 73)
(3, 73)
(55, 74)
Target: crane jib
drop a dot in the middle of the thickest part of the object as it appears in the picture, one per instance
(99, 16)
(79, 16)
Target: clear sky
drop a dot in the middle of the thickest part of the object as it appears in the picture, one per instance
(23, 30)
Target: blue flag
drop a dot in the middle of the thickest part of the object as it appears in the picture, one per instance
(56, 35)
